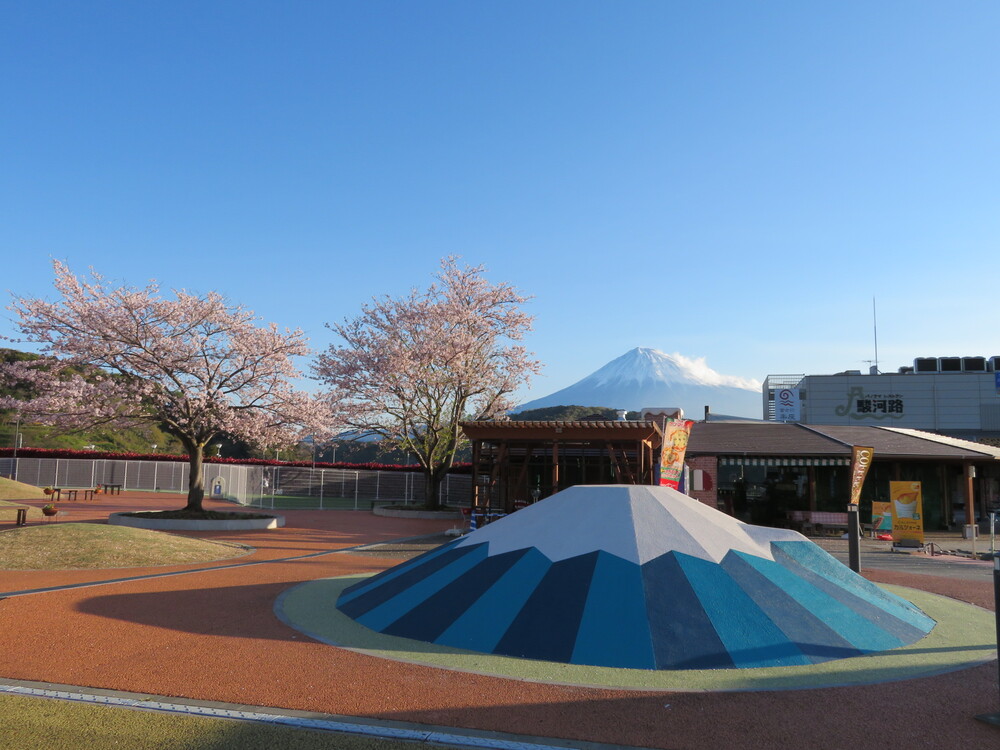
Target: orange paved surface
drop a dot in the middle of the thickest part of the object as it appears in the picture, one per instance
(213, 635)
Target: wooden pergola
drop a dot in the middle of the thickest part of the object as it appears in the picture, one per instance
(516, 463)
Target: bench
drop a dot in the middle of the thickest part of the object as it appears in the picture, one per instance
(817, 522)
(113, 489)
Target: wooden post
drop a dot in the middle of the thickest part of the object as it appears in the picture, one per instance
(555, 466)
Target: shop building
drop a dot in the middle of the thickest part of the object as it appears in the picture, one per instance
(956, 396)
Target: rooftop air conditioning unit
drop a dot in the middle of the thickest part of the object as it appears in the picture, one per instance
(950, 364)
(973, 364)
(925, 364)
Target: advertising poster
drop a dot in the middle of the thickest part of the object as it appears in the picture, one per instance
(907, 507)
(861, 459)
(881, 517)
(675, 442)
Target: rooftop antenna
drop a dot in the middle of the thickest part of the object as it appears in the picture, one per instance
(875, 331)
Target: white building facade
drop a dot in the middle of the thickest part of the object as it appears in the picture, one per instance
(955, 396)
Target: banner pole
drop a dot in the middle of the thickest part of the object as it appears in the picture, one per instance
(994, 719)
(853, 538)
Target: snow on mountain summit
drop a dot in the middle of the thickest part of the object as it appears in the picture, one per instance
(645, 377)
(643, 363)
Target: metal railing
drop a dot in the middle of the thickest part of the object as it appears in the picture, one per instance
(291, 487)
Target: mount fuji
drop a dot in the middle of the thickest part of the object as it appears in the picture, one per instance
(646, 377)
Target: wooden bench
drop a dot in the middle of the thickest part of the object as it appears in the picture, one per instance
(817, 522)
(113, 489)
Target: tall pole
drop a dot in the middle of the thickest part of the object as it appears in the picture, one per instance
(995, 718)
(853, 538)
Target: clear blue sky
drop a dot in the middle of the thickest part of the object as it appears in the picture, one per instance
(728, 180)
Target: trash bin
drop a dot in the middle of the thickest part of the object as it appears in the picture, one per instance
(969, 531)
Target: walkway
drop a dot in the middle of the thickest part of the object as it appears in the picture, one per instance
(211, 635)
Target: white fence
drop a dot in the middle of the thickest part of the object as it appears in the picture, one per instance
(257, 486)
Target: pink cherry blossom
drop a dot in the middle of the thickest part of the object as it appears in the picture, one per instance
(411, 369)
(195, 365)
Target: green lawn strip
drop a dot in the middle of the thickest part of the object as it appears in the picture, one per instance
(29, 723)
(65, 546)
(961, 639)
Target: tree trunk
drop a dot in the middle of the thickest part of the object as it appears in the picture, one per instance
(196, 479)
(432, 486)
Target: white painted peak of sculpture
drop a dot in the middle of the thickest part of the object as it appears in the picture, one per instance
(635, 522)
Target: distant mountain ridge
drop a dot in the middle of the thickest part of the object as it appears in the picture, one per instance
(645, 377)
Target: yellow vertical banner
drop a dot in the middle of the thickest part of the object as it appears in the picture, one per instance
(861, 460)
(674, 447)
(907, 512)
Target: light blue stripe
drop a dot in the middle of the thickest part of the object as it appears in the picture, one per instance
(852, 627)
(394, 572)
(813, 558)
(614, 626)
(483, 624)
(389, 611)
(749, 635)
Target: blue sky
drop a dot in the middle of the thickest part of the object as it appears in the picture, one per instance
(728, 180)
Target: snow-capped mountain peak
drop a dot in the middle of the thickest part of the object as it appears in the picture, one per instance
(646, 377)
(644, 363)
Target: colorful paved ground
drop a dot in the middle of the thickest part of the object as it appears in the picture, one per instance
(211, 633)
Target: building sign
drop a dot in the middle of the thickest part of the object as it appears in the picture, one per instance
(674, 447)
(861, 460)
(907, 512)
(862, 405)
(786, 405)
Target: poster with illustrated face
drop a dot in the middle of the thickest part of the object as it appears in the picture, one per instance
(674, 447)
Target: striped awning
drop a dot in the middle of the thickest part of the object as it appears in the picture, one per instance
(783, 461)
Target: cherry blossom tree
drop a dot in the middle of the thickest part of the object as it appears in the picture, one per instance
(411, 369)
(194, 365)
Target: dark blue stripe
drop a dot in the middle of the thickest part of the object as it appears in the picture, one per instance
(391, 586)
(427, 621)
(547, 625)
(683, 635)
(388, 574)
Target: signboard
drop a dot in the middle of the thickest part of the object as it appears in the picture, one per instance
(881, 517)
(907, 512)
(675, 442)
(861, 459)
(786, 405)
(878, 406)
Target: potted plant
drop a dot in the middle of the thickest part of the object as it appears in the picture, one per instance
(47, 490)
(49, 509)
(98, 489)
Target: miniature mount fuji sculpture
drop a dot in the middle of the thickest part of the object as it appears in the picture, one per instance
(635, 577)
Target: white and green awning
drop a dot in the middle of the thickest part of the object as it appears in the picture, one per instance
(783, 461)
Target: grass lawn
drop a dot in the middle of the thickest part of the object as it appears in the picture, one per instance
(64, 546)
(11, 490)
(8, 511)
(29, 723)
